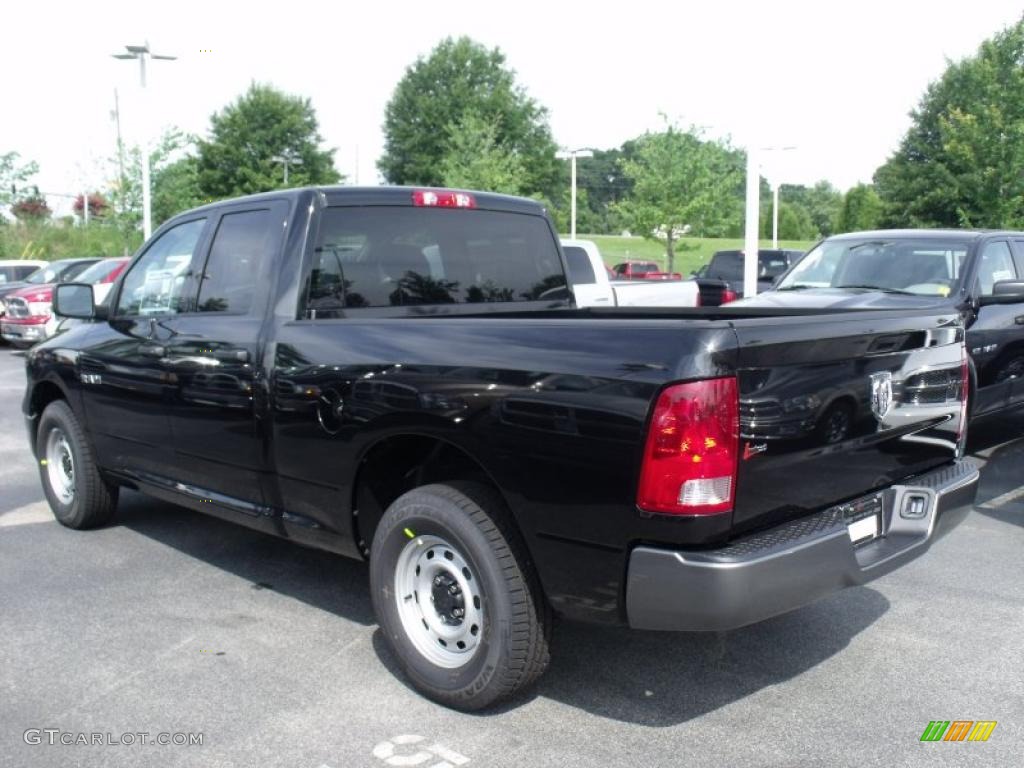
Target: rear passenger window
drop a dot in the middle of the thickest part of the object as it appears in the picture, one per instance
(396, 256)
(580, 270)
(240, 251)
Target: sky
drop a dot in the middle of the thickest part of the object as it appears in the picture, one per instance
(834, 80)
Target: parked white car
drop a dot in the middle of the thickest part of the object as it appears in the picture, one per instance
(16, 270)
(594, 286)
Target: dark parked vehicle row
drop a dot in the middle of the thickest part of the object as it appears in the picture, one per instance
(401, 376)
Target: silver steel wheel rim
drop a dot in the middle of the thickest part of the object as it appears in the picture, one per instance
(60, 466)
(439, 601)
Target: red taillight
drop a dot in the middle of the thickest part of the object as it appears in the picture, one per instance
(689, 463)
(40, 294)
(729, 295)
(440, 198)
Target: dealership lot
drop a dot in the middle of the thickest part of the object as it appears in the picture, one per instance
(172, 623)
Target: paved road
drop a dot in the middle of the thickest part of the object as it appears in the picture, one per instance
(170, 622)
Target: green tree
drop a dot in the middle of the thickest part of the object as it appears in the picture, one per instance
(862, 209)
(477, 160)
(176, 188)
(13, 175)
(795, 222)
(172, 190)
(821, 202)
(961, 162)
(247, 136)
(681, 183)
(603, 182)
(462, 77)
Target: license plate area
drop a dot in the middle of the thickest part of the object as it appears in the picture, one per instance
(863, 519)
(863, 530)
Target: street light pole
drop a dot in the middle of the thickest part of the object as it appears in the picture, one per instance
(775, 216)
(286, 157)
(753, 219)
(776, 183)
(142, 52)
(571, 155)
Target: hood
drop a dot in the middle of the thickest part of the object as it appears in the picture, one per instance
(30, 292)
(839, 298)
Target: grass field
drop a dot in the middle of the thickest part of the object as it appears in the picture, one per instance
(691, 252)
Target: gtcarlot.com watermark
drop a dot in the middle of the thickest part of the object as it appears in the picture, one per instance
(55, 736)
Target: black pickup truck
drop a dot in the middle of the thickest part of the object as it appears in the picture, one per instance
(976, 274)
(400, 375)
(720, 281)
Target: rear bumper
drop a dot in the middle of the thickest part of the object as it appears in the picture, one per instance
(25, 332)
(783, 568)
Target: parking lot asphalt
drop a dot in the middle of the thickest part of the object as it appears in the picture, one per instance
(169, 622)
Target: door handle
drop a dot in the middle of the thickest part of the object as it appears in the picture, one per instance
(152, 350)
(1019, 319)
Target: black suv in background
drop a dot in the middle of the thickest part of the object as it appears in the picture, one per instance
(978, 275)
(721, 281)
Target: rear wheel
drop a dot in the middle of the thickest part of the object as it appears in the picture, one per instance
(77, 493)
(456, 596)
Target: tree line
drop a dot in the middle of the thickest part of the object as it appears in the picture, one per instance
(459, 118)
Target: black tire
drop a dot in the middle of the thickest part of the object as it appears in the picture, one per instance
(835, 424)
(93, 500)
(512, 651)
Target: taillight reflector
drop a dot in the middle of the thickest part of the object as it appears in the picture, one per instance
(729, 295)
(690, 457)
(439, 198)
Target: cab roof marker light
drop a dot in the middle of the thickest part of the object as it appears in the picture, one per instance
(442, 198)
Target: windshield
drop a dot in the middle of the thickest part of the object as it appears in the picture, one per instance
(728, 265)
(99, 271)
(926, 267)
(43, 275)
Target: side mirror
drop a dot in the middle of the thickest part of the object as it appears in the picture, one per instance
(1005, 292)
(74, 300)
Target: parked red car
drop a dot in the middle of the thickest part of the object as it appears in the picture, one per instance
(643, 270)
(30, 317)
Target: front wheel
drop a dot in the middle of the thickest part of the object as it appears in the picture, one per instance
(78, 494)
(456, 596)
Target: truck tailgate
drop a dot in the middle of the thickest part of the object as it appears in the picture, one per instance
(834, 407)
(655, 293)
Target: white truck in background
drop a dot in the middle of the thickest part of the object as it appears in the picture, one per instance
(594, 286)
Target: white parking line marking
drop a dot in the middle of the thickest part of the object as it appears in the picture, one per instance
(1003, 499)
(386, 751)
(31, 513)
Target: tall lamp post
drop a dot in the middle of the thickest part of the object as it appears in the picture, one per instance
(776, 183)
(571, 155)
(753, 217)
(142, 53)
(286, 158)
